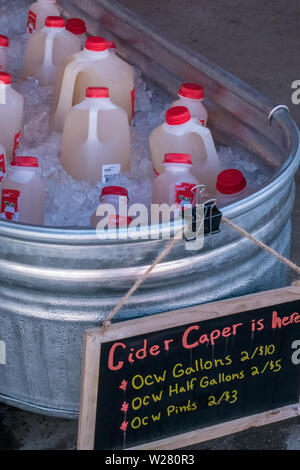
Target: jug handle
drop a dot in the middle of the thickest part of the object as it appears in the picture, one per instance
(48, 55)
(211, 152)
(70, 74)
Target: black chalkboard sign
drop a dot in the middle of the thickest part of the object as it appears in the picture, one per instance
(193, 374)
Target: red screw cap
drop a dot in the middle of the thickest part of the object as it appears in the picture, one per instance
(231, 181)
(76, 26)
(31, 162)
(178, 158)
(55, 22)
(5, 78)
(192, 91)
(111, 45)
(177, 115)
(115, 191)
(97, 92)
(96, 43)
(4, 41)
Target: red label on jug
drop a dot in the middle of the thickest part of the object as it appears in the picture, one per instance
(202, 122)
(119, 221)
(16, 142)
(184, 194)
(10, 204)
(31, 23)
(155, 171)
(2, 167)
(132, 101)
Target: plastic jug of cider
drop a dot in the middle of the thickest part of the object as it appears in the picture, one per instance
(11, 115)
(4, 45)
(47, 48)
(181, 133)
(96, 141)
(77, 27)
(92, 67)
(175, 185)
(231, 187)
(23, 192)
(191, 96)
(112, 195)
(38, 13)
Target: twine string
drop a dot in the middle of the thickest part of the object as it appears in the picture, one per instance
(169, 247)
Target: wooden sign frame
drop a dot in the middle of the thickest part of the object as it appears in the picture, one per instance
(91, 362)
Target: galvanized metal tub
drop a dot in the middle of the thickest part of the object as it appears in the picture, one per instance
(56, 283)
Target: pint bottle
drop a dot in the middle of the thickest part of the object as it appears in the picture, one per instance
(231, 187)
(77, 27)
(191, 96)
(23, 192)
(176, 185)
(11, 115)
(112, 195)
(38, 13)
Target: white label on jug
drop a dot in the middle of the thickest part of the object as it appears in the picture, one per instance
(10, 204)
(109, 171)
(31, 23)
(2, 353)
(2, 167)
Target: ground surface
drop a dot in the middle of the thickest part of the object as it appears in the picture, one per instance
(258, 42)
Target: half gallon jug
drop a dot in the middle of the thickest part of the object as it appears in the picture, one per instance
(231, 187)
(92, 67)
(96, 140)
(181, 133)
(47, 48)
(191, 96)
(4, 44)
(11, 115)
(112, 195)
(175, 185)
(38, 13)
(23, 192)
(77, 27)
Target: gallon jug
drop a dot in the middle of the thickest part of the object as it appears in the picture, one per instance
(191, 96)
(96, 140)
(77, 27)
(181, 133)
(23, 192)
(47, 48)
(4, 44)
(92, 67)
(112, 195)
(231, 187)
(11, 115)
(38, 13)
(175, 185)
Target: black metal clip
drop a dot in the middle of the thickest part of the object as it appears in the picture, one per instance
(211, 214)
